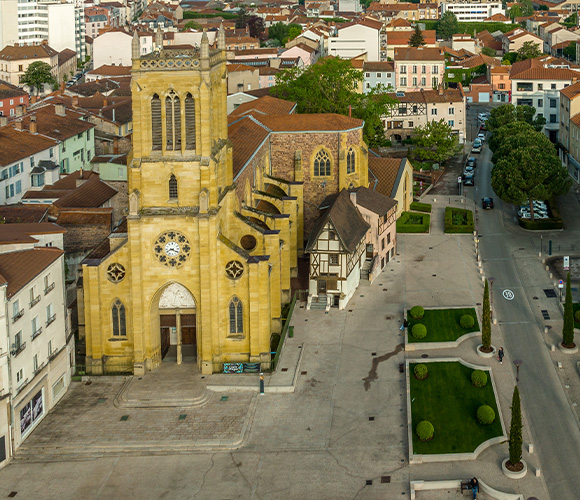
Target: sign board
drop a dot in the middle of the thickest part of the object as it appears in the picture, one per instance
(508, 294)
(459, 180)
(566, 262)
(561, 284)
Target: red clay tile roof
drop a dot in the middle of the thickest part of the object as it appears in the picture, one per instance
(267, 71)
(20, 268)
(21, 51)
(12, 214)
(246, 136)
(576, 120)
(498, 18)
(266, 105)
(310, 122)
(8, 90)
(22, 233)
(419, 53)
(386, 171)
(535, 69)
(110, 70)
(386, 66)
(18, 144)
(57, 127)
(84, 216)
(571, 91)
(446, 95)
(92, 193)
(478, 60)
(402, 37)
(239, 67)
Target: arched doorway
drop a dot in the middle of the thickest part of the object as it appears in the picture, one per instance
(177, 314)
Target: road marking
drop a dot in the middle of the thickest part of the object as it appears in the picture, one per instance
(508, 294)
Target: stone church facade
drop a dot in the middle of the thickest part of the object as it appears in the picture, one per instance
(217, 218)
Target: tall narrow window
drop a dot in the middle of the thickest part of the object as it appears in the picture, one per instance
(350, 161)
(172, 122)
(156, 123)
(177, 123)
(236, 316)
(321, 164)
(189, 122)
(118, 313)
(172, 187)
(169, 124)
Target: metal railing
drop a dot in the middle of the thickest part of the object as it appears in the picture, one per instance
(49, 288)
(37, 332)
(16, 317)
(51, 319)
(16, 349)
(34, 302)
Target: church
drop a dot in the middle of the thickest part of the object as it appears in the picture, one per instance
(219, 211)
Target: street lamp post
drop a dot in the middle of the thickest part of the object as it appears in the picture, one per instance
(490, 279)
(518, 363)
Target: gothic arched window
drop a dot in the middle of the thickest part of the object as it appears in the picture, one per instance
(156, 132)
(172, 187)
(172, 122)
(350, 161)
(118, 313)
(322, 164)
(189, 122)
(236, 316)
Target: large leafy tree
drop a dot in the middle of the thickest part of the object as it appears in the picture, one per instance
(568, 327)
(528, 50)
(508, 113)
(435, 142)
(515, 11)
(284, 32)
(257, 28)
(515, 439)
(448, 25)
(331, 86)
(37, 75)
(570, 52)
(527, 168)
(417, 39)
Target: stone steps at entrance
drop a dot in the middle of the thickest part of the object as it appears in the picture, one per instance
(318, 304)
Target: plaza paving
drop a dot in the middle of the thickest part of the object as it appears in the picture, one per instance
(319, 441)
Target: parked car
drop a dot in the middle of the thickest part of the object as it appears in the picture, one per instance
(472, 162)
(70, 83)
(468, 170)
(476, 147)
(468, 180)
(481, 137)
(487, 203)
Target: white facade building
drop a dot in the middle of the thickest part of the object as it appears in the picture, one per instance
(114, 47)
(356, 38)
(471, 11)
(8, 22)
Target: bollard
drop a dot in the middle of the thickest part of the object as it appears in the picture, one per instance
(261, 384)
(560, 365)
(546, 329)
(531, 447)
(550, 275)
(495, 321)
(547, 268)
(481, 270)
(483, 278)
(540, 255)
(538, 472)
(291, 331)
(552, 348)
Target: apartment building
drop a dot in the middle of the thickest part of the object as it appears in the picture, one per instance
(375, 73)
(15, 59)
(419, 68)
(11, 96)
(513, 40)
(569, 143)
(472, 11)
(356, 38)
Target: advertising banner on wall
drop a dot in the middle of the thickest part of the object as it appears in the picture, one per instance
(31, 412)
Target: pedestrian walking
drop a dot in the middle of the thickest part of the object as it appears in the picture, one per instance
(474, 483)
(500, 355)
(404, 325)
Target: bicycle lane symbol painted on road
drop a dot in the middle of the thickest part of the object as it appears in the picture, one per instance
(508, 294)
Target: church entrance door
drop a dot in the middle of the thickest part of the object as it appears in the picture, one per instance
(168, 323)
(188, 329)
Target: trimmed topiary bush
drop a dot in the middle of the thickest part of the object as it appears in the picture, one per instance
(425, 430)
(485, 415)
(417, 312)
(479, 378)
(421, 372)
(419, 331)
(466, 321)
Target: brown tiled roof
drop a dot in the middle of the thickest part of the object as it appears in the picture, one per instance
(501, 69)
(398, 22)
(84, 216)
(239, 67)
(11, 214)
(534, 69)
(92, 193)
(8, 90)
(576, 120)
(387, 66)
(374, 201)
(266, 105)
(246, 136)
(419, 53)
(402, 37)
(120, 112)
(446, 95)
(571, 91)
(56, 126)
(21, 233)
(18, 144)
(386, 171)
(110, 70)
(267, 71)
(70, 181)
(346, 219)
(20, 268)
(478, 60)
(498, 18)
(22, 51)
(119, 159)
(251, 52)
(103, 85)
(65, 55)
(309, 122)
(370, 23)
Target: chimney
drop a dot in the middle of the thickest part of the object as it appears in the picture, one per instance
(59, 110)
(349, 111)
(34, 99)
(18, 124)
(105, 102)
(61, 88)
(3, 121)
(440, 89)
(116, 146)
(20, 109)
(33, 127)
(75, 101)
(574, 80)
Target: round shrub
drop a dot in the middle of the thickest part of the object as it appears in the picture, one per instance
(485, 415)
(577, 316)
(421, 371)
(479, 378)
(466, 321)
(419, 331)
(417, 312)
(425, 430)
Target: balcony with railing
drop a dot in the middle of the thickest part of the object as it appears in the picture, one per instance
(34, 301)
(17, 316)
(37, 332)
(16, 349)
(51, 319)
(49, 288)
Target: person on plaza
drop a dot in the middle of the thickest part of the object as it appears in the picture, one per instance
(404, 325)
(474, 483)
(500, 355)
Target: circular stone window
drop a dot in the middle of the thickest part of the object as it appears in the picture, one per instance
(248, 242)
(234, 269)
(116, 272)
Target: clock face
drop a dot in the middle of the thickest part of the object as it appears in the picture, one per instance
(172, 248)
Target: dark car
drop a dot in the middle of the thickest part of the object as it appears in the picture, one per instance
(468, 180)
(487, 203)
(471, 162)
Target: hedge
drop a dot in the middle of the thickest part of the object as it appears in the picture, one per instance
(467, 215)
(417, 312)
(485, 415)
(425, 430)
(466, 321)
(421, 207)
(555, 222)
(419, 331)
(479, 378)
(421, 371)
(413, 222)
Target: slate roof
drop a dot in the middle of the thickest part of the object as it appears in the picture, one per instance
(348, 223)
(20, 268)
(374, 201)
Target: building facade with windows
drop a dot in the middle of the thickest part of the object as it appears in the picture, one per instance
(471, 11)
(569, 137)
(15, 59)
(11, 97)
(419, 68)
(376, 73)
(41, 345)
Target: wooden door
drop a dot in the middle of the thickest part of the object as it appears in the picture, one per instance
(188, 329)
(321, 287)
(370, 252)
(167, 322)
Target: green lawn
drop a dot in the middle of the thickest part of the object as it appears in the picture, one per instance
(450, 402)
(442, 324)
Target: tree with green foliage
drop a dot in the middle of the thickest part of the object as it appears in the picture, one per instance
(284, 32)
(508, 113)
(515, 11)
(570, 52)
(543, 7)
(486, 321)
(527, 8)
(527, 168)
(568, 327)
(435, 142)
(515, 439)
(448, 25)
(192, 25)
(37, 75)
(573, 19)
(528, 50)
(331, 86)
(294, 30)
(488, 51)
(509, 58)
(417, 39)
